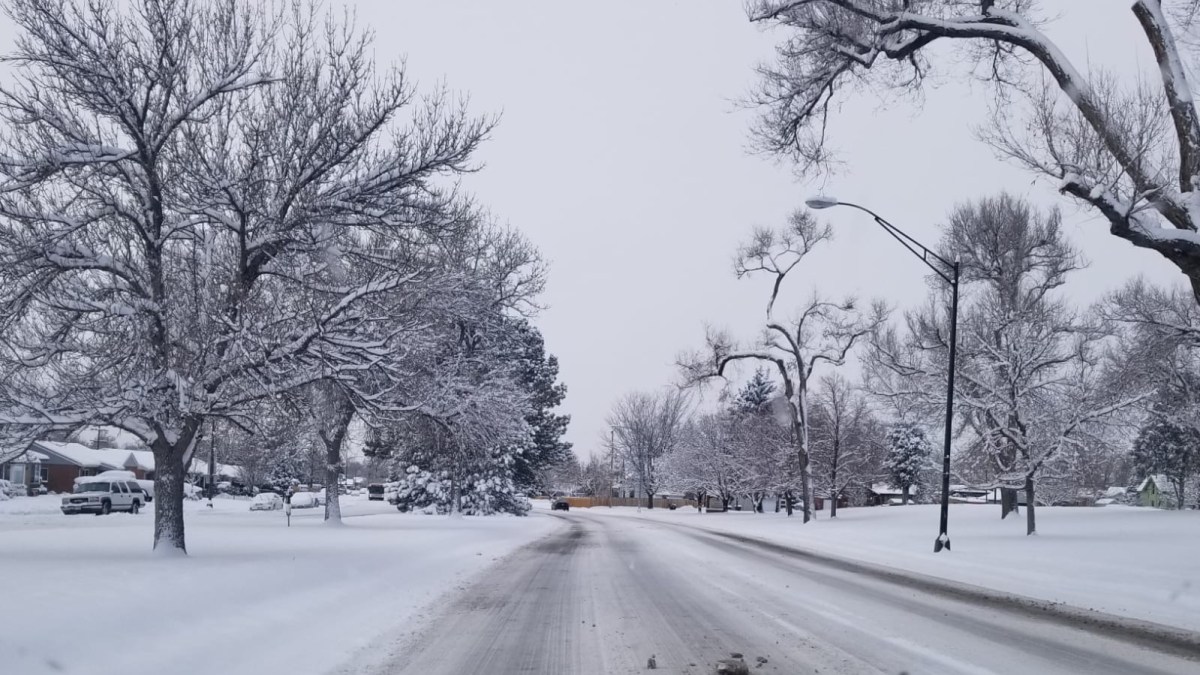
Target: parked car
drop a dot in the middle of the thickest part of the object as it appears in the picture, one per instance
(375, 492)
(321, 497)
(266, 501)
(560, 505)
(304, 500)
(102, 496)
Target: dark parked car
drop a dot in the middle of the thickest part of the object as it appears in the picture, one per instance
(560, 505)
(375, 492)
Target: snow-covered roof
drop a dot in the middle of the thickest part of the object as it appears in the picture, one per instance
(885, 489)
(1160, 482)
(1115, 491)
(22, 456)
(89, 458)
(144, 459)
(200, 467)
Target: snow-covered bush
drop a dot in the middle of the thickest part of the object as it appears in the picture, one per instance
(480, 494)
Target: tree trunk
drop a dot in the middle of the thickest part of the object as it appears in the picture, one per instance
(333, 472)
(904, 498)
(168, 501)
(649, 499)
(334, 411)
(787, 502)
(1008, 502)
(1030, 521)
(833, 500)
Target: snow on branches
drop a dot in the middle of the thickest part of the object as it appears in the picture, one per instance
(1130, 153)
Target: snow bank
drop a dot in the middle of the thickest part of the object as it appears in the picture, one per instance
(1134, 562)
(253, 596)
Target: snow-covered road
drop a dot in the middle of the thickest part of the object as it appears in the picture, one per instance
(605, 594)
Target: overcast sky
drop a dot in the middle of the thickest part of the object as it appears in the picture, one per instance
(623, 156)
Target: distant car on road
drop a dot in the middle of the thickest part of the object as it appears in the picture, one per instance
(266, 501)
(375, 492)
(560, 505)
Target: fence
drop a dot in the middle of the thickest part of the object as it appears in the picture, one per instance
(659, 503)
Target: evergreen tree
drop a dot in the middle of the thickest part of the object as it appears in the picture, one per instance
(1172, 450)
(908, 455)
(756, 395)
(537, 373)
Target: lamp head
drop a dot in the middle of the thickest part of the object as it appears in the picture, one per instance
(821, 202)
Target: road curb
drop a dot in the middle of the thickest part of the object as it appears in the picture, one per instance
(1160, 637)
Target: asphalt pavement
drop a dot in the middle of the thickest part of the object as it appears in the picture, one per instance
(607, 594)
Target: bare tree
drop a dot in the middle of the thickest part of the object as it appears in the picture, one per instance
(841, 439)
(823, 332)
(1031, 380)
(177, 184)
(647, 426)
(1131, 154)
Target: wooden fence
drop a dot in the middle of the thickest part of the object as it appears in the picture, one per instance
(659, 503)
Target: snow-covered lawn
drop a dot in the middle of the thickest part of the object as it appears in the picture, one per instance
(1140, 563)
(84, 594)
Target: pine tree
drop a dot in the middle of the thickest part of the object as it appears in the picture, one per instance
(909, 454)
(756, 395)
(1172, 450)
(537, 373)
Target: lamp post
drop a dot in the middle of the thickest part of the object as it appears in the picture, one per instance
(948, 271)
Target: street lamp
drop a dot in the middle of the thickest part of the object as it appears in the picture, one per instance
(940, 268)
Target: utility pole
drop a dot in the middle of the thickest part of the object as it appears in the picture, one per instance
(612, 451)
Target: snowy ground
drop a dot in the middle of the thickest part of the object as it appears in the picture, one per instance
(83, 594)
(1133, 562)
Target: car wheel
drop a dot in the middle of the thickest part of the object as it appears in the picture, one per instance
(134, 508)
(105, 508)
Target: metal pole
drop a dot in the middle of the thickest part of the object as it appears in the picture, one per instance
(612, 451)
(943, 540)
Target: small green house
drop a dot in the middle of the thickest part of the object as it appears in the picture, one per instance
(1152, 492)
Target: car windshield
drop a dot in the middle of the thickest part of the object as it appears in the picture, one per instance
(375, 489)
(93, 487)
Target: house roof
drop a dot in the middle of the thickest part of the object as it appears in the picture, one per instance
(200, 467)
(82, 455)
(144, 459)
(885, 489)
(22, 456)
(1160, 482)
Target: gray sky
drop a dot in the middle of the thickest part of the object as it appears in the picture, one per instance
(621, 153)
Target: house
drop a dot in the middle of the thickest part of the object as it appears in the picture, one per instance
(59, 463)
(141, 463)
(23, 466)
(198, 472)
(882, 494)
(968, 494)
(1154, 491)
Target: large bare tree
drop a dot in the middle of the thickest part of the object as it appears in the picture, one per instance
(1031, 377)
(177, 184)
(645, 427)
(821, 332)
(1132, 153)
